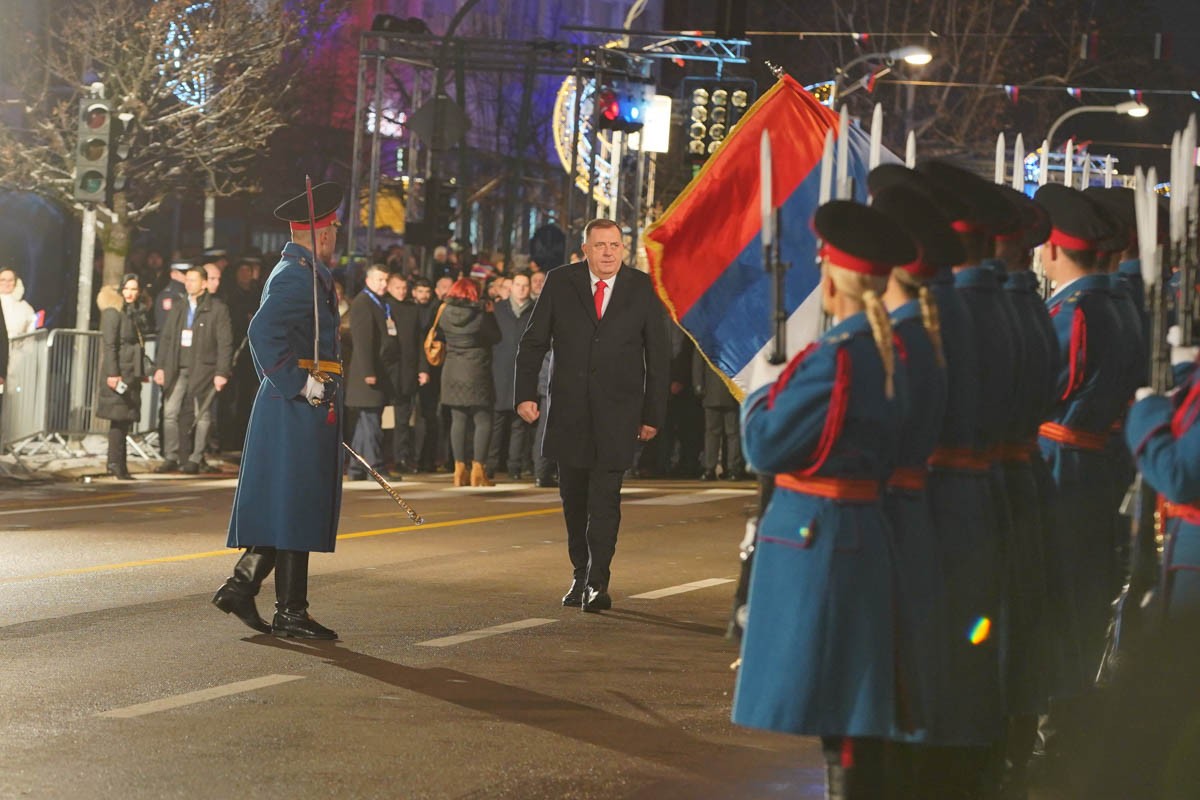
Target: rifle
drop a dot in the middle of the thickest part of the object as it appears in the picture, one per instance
(1136, 597)
(777, 355)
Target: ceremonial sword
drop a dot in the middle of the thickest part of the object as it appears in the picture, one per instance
(323, 378)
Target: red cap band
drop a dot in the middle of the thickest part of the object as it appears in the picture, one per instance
(840, 258)
(1070, 242)
(965, 226)
(322, 222)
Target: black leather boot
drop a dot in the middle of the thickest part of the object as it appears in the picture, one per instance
(236, 595)
(291, 599)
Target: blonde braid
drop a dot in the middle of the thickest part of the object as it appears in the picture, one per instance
(881, 329)
(933, 324)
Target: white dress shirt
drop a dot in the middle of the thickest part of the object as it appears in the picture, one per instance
(608, 287)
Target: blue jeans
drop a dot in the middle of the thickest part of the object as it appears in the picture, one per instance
(368, 440)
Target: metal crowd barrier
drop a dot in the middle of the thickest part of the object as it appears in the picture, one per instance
(51, 390)
(23, 413)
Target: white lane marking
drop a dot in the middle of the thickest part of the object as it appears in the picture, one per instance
(189, 698)
(680, 589)
(692, 498)
(483, 633)
(159, 501)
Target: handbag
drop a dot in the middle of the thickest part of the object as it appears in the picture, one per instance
(435, 348)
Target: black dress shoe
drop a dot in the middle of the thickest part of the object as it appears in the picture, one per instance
(190, 468)
(736, 475)
(546, 483)
(708, 475)
(596, 600)
(299, 625)
(574, 596)
(170, 465)
(231, 601)
(120, 472)
(515, 475)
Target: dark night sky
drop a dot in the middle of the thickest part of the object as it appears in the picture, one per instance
(1183, 16)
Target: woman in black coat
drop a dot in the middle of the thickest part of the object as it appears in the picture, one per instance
(123, 325)
(470, 330)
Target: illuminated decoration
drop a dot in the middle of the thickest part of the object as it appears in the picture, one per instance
(823, 91)
(980, 631)
(392, 123)
(189, 86)
(564, 132)
(623, 104)
(716, 106)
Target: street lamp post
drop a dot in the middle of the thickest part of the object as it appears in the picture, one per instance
(1131, 107)
(909, 54)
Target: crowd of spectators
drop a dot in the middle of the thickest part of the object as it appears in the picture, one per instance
(404, 415)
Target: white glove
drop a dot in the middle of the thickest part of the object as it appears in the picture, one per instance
(1144, 392)
(313, 391)
(1175, 336)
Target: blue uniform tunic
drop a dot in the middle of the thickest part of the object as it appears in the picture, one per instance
(1163, 435)
(818, 650)
(289, 490)
(1091, 393)
(971, 704)
(1029, 487)
(920, 594)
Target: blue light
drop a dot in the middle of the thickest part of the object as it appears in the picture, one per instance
(634, 112)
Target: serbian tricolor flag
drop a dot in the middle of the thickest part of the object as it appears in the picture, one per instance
(705, 251)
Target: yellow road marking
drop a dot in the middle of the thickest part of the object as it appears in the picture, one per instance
(225, 552)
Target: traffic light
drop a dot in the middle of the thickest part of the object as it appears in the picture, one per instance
(439, 208)
(622, 103)
(715, 106)
(120, 142)
(92, 151)
(434, 229)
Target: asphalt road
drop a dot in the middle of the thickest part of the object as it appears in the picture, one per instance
(458, 674)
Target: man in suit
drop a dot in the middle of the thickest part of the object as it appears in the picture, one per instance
(372, 362)
(607, 330)
(404, 376)
(195, 360)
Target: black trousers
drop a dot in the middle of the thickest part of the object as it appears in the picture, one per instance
(402, 434)
(591, 501)
(510, 434)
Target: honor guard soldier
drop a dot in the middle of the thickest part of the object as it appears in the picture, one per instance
(1091, 396)
(1165, 440)
(916, 549)
(818, 652)
(289, 488)
(1029, 492)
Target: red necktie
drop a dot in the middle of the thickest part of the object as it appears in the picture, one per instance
(599, 298)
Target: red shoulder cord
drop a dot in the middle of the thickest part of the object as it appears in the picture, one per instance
(1185, 415)
(782, 381)
(836, 415)
(1078, 356)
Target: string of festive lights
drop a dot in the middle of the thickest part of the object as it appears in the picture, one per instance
(1014, 90)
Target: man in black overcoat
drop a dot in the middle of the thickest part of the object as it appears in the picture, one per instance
(607, 330)
(369, 374)
(404, 369)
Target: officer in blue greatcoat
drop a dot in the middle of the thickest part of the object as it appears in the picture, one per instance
(290, 485)
(1092, 393)
(818, 654)
(970, 707)
(1164, 437)
(1030, 487)
(920, 593)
